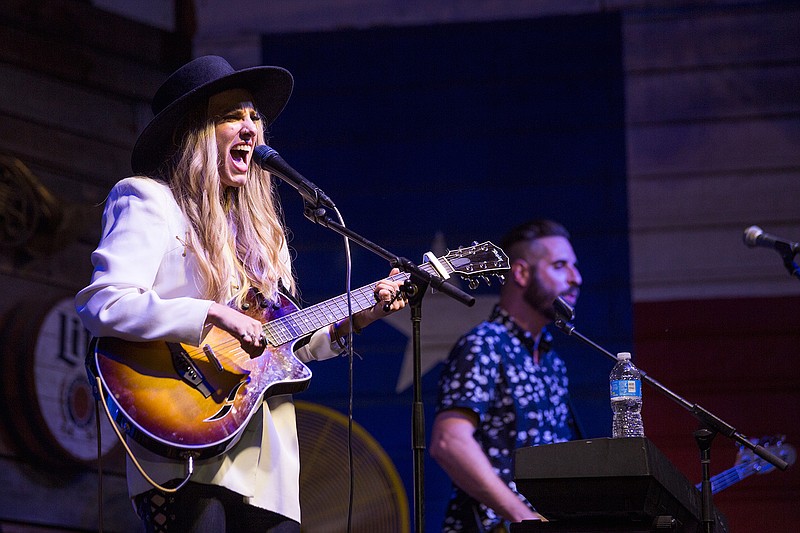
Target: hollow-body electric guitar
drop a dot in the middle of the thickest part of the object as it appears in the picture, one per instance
(182, 401)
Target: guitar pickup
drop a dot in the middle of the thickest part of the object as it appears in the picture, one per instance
(187, 370)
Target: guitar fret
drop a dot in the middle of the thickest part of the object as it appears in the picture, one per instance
(283, 328)
(427, 267)
(339, 305)
(292, 327)
(275, 333)
(320, 316)
(307, 324)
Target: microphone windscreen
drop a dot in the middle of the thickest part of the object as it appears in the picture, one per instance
(751, 235)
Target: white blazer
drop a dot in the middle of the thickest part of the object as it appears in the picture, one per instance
(146, 286)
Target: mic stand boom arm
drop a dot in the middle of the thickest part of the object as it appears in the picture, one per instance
(704, 416)
(318, 215)
(712, 424)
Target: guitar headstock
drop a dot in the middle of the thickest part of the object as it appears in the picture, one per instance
(473, 263)
(774, 444)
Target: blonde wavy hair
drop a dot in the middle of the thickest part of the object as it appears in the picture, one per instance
(237, 234)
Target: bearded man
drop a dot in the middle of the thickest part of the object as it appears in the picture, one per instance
(503, 387)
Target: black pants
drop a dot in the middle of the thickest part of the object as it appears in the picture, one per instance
(209, 509)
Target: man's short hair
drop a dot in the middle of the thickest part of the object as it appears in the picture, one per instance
(530, 231)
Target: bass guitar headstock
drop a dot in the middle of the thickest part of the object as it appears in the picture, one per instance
(775, 444)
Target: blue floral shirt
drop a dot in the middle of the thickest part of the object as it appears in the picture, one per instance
(491, 371)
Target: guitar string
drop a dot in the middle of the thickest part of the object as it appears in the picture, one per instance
(286, 328)
(726, 479)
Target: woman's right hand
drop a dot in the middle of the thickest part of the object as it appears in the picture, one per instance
(248, 331)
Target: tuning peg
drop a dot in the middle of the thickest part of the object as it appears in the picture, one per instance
(501, 278)
(486, 279)
(474, 284)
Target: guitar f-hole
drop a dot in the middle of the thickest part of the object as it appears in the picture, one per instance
(226, 408)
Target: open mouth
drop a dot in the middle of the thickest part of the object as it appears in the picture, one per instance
(240, 154)
(570, 296)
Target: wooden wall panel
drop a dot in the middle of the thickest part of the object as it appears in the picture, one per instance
(75, 84)
(91, 158)
(716, 93)
(687, 201)
(713, 128)
(710, 147)
(688, 37)
(78, 42)
(62, 502)
(41, 99)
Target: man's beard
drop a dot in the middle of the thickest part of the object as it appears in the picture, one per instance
(541, 299)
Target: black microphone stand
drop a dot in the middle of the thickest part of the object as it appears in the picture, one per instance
(788, 259)
(710, 422)
(415, 288)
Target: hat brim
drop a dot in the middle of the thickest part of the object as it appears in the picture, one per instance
(271, 88)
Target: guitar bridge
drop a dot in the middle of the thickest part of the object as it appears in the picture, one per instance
(187, 370)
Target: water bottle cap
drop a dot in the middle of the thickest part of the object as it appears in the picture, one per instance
(624, 356)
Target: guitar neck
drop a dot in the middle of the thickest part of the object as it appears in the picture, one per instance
(725, 479)
(305, 321)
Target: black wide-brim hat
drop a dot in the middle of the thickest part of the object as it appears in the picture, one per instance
(192, 85)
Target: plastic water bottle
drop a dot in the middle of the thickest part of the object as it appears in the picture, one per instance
(626, 398)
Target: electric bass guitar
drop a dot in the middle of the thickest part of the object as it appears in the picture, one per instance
(182, 401)
(748, 463)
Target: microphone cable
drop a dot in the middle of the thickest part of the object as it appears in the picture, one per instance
(350, 374)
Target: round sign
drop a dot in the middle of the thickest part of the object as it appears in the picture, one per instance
(48, 393)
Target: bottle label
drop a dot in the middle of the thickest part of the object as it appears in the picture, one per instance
(622, 389)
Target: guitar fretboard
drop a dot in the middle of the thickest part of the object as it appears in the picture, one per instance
(305, 321)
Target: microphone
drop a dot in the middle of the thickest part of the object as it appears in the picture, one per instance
(271, 161)
(563, 309)
(755, 236)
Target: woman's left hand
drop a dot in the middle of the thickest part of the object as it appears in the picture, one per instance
(389, 298)
(389, 292)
